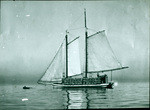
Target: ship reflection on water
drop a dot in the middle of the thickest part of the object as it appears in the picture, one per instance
(83, 98)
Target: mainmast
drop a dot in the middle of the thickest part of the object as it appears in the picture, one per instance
(86, 54)
(66, 37)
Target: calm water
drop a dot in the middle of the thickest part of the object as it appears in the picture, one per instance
(124, 95)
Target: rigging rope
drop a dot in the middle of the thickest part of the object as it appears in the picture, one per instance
(72, 35)
(75, 21)
(77, 28)
(113, 52)
(92, 29)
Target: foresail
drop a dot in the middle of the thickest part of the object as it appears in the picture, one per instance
(100, 55)
(57, 67)
(73, 58)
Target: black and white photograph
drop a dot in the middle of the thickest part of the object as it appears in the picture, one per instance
(74, 54)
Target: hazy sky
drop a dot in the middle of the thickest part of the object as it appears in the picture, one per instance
(31, 32)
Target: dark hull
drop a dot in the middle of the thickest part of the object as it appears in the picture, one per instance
(26, 87)
(104, 85)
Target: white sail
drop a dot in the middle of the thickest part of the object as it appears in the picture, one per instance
(100, 55)
(57, 67)
(73, 58)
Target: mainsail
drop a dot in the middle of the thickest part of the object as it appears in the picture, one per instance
(100, 55)
(56, 68)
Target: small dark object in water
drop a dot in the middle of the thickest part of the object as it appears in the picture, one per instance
(26, 87)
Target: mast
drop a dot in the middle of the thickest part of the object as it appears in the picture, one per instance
(66, 37)
(111, 75)
(86, 54)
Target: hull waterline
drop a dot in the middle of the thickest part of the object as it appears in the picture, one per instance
(105, 85)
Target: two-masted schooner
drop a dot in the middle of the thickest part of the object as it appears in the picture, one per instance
(65, 68)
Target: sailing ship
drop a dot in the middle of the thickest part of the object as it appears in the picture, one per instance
(65, 68)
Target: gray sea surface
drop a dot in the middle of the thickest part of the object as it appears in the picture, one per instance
(124, 95)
